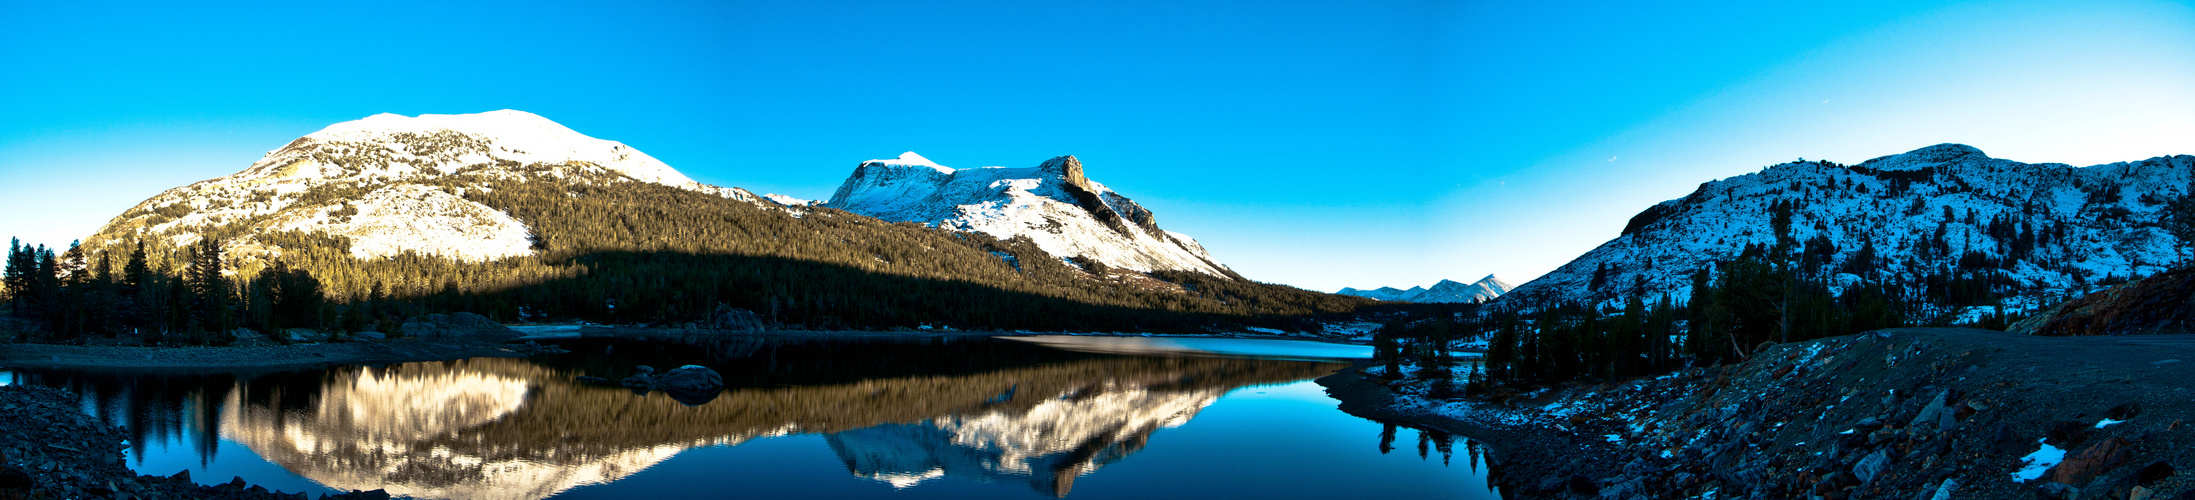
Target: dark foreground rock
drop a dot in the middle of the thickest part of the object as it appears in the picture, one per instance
(49, 449)
(1906, 413)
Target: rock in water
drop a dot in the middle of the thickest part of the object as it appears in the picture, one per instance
(640, 383)
(691, 384)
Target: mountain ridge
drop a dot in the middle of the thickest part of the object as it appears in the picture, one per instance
(1446, 291)
(398, 223)
(1926, 221)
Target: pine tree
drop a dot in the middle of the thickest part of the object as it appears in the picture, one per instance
(209, 291)
(21, 263)
(2179, 218)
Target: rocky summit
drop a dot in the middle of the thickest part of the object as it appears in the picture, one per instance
(1054, 204)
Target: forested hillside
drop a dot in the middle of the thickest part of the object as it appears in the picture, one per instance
(608, 250)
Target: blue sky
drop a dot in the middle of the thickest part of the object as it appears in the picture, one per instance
(1315, 144)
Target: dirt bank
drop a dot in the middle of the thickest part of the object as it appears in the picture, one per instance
(1904, 413)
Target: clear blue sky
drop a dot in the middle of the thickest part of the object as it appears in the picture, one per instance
(1315, 144)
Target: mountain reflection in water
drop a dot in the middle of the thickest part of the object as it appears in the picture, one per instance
(895, 411)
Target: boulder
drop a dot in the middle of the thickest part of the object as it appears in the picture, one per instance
(458, 326)
(249, 337)
(2096, 459)
(1869, 467)
(640, 383)
(370, 335)
(1943, 492)
(1930, 416)
(732, 319)
(691, 384)
(305, 335)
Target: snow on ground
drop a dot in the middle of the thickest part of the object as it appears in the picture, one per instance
(2039, 462)
(787, 200)
(1354, 330)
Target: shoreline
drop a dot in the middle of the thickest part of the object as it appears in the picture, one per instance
(405, 350)
(1516, 457)
(560, 331)
(251, 358)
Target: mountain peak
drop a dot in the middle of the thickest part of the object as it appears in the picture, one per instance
(384, 182)
(910, 159)
(1927, 157)
(446, 142)
(1492, 283)
(1053, 204)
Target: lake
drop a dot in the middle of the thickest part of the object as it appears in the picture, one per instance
(1080, 417)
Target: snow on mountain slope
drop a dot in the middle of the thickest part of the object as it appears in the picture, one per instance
(505, 135)
(383, 182)
(1053, 204)
(2053, 229)
(1447, 291)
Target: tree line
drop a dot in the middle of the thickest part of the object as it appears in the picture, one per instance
(70, 295)
(1768, 294)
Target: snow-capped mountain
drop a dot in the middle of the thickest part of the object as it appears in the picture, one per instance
(2053, 229)
(383, 182)
(1052, 204)
(1446, 291)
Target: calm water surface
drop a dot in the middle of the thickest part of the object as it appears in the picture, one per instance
(901, 418)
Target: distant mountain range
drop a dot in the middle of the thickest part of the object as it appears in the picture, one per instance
(1446, 291)
(383, 182)
(1935, 222)
(529, 218)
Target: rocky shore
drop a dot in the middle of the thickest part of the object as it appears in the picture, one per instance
(50, 449)
(1927, 413)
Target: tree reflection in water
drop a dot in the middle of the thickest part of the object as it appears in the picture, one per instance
(898, 411)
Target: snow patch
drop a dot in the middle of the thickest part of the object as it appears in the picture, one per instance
(2039, 462)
